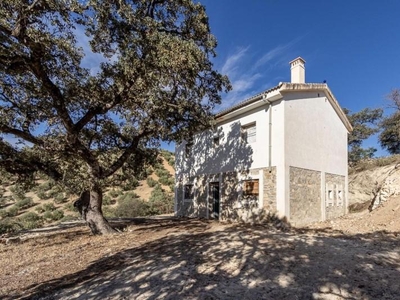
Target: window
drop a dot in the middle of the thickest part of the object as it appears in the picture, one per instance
(251, 187)
(216, 141)
(188, 192)
(188, 148)
(248, 133)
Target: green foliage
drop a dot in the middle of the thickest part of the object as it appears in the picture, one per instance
(60, 198)
(113, 193)
(389, 138)
(43, 195)
(9, 225)
(30, 220)
(131, 207)
(53, 215)
(12, 211)
(24, 203)
(132, 184)
(127, 196)
(70, 207)
(151, 182)
(107, 200)
(364, 125)
(46, 186)
(160, 201)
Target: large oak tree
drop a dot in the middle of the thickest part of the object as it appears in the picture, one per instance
(155, 82)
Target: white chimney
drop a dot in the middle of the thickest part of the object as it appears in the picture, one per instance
(298, 73)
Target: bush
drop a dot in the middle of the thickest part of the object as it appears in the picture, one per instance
(60, 198)
(131, 185)
(12, 211)
(53, 215)
(113, 193)
(9, 226)
(107, 200)
(30, 220)
(130, 208)
(160, 202)
(49, 207)
(70, 207)
(46, 186)
(43, 195)
(3, 213)
(167, 179)
(151, 182)
(127, 196)
(24, 203)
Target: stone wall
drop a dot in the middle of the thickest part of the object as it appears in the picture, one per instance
(305, 196)
(269, 201)
(334, 196)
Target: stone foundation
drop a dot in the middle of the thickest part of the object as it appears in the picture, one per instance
(269, 201)
(334, 196)
(305, 196)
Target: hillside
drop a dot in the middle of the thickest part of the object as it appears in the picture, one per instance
(351, 257)
(47, 203)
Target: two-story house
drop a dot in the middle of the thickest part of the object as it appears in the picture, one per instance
(283, 151)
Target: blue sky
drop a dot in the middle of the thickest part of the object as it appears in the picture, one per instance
(353, 45)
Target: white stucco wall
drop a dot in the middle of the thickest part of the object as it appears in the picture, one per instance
(232, 154)
(315, 137)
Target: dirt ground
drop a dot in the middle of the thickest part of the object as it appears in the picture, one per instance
(349, 258)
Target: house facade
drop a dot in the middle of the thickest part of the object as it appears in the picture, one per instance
(283, 152)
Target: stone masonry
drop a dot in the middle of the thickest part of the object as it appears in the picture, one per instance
(305, 196)
(334, 196)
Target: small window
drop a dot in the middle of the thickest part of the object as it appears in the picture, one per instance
(188, 148)
(248, 133)
(188, 192)
(216, 141)
(251, 187)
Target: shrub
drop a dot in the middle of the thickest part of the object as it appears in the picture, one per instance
(161, 172)
(151, 182)
(3, 213)
(127, 196)
(113, 193)
(60, 198)
(160, 202)
(166, 179)
(49, 207)
(30, 220)
(25, 203)
(130, 208)
(46, 186)
(131, 184)
(9, 226)
(70, 207)
(57, 215)
(12, 211)
(107, 200)
(43, 195)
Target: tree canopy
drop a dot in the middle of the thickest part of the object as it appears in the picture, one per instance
(365, 124)
(389, 138)
(79, 126)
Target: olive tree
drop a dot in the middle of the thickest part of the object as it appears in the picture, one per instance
(155, 82)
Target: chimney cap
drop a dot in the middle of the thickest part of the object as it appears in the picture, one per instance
(297, 59)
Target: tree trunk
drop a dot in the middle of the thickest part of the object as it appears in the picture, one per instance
(89, 206)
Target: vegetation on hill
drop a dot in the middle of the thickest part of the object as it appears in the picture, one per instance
(46, 203)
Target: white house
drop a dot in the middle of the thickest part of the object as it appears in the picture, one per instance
(283, 151)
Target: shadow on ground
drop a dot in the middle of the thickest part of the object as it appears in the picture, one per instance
(238, 262)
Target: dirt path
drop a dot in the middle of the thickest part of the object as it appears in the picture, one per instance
(190, 259)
